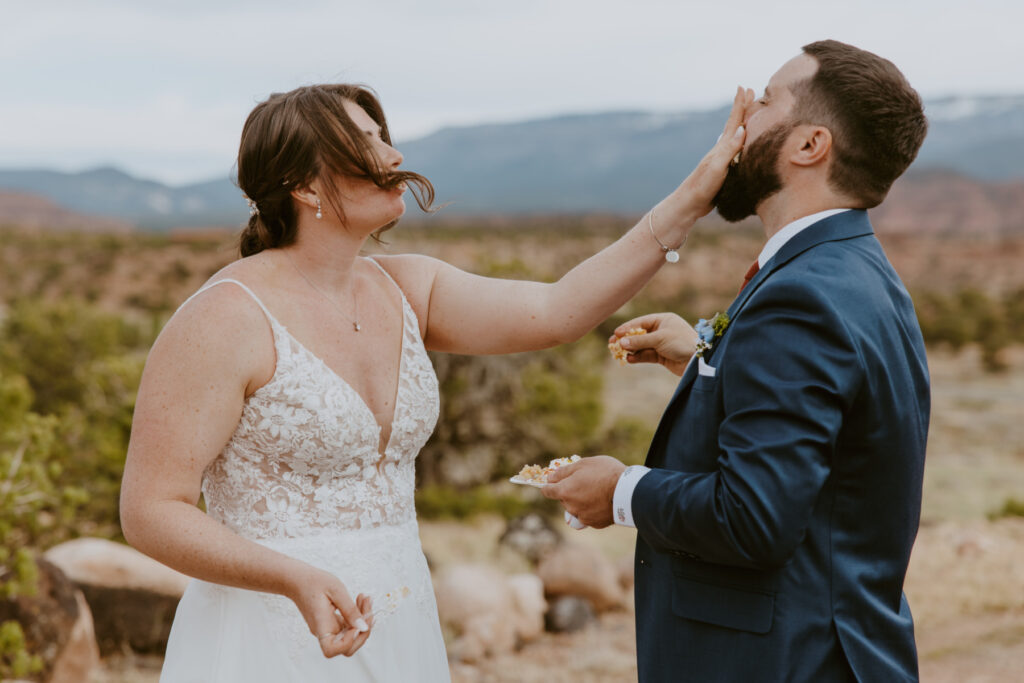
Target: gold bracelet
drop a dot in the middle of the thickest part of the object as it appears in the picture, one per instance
(671, 253)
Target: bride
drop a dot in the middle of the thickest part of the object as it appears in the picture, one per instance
(294, 391)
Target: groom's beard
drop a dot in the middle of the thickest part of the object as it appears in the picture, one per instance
(756, 176)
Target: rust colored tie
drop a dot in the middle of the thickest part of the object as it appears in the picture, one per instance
(751, 272)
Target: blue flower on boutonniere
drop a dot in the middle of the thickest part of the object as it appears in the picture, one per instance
(710, 330)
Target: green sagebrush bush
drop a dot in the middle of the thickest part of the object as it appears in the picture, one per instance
(68, 377)
(1012, 507)
(972, 316)
(500, 412)
(37, 507)
(82, 367)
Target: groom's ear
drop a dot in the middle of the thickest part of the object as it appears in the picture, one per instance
(814, 144)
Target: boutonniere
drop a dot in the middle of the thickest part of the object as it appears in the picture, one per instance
(710, 330)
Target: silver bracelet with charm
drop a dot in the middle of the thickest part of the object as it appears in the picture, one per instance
(671, 253)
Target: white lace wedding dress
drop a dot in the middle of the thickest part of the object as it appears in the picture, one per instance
(302, 475)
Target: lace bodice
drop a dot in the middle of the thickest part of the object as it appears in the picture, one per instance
(304, 458)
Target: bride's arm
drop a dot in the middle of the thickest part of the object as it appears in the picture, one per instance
(207, 359)
(466, 313)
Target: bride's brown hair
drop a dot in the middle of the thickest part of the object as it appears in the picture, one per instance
(296, 137)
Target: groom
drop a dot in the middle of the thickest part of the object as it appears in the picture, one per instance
(782, 491)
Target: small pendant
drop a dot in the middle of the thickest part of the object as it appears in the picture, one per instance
(672, 256)
(356, 326)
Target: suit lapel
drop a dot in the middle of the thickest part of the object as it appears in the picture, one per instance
(840, 226)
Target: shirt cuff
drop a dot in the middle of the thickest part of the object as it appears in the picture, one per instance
(622, 499)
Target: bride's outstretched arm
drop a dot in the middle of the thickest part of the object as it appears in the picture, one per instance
(207, 359)
(467, 313)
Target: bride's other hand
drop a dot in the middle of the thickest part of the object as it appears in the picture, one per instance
(340, 624)
(670, 341)
(701, 186)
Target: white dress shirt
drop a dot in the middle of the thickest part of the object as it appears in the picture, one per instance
(622, 499)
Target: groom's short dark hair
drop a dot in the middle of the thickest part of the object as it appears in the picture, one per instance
(876, 118)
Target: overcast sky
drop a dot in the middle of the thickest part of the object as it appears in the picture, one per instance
(161, 89)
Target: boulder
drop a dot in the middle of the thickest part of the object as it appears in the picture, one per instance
(132, 597)
(530, 605)
(81, 655)
(569, 613)
(531, 535)
(486, 612)
(576, 569)
(56, 625)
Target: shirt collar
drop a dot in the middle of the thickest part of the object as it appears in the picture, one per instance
(790, 231)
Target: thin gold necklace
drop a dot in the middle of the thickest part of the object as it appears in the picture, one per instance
(355, 301)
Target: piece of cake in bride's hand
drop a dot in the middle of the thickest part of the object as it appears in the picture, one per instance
(537, 475)
(619, 353)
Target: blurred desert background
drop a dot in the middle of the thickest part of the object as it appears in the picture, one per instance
(547, 129)
(81, 300)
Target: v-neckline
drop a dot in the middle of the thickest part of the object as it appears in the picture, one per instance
(359, 397)
(345, 384)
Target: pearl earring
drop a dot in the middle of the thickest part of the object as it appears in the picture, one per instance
(319, 211)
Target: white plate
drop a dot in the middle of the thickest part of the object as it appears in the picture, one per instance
(527, 482)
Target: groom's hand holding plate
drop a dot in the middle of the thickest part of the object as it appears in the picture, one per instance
(585, 489)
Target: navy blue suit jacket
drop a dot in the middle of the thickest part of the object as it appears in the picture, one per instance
(775, 530)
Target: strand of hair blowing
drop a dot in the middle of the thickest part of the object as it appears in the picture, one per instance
(291, 139)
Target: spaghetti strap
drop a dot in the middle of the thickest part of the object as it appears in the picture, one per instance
(386, 274)
(248, 291)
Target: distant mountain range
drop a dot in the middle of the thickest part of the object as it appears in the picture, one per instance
(619, 162)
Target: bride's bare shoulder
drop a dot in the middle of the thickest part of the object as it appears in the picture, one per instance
(220, 330)
(226, 304)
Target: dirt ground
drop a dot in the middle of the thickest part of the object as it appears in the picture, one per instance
(965, 586)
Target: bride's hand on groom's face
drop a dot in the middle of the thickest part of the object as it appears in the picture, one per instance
(670, 341)
(340, 624)
(701, 186)
(585, 488)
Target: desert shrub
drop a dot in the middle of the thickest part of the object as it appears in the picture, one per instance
(15, 659)
(38, 501)
(627, 439)
(55, 344)
(153, 302)
(82, 367)
(448, 502)
(178, 271)
(1013, 307)
(561, 405)
(941, 320)
(989, 324)
(499, 412)
(972, 316)
(1012, 507)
